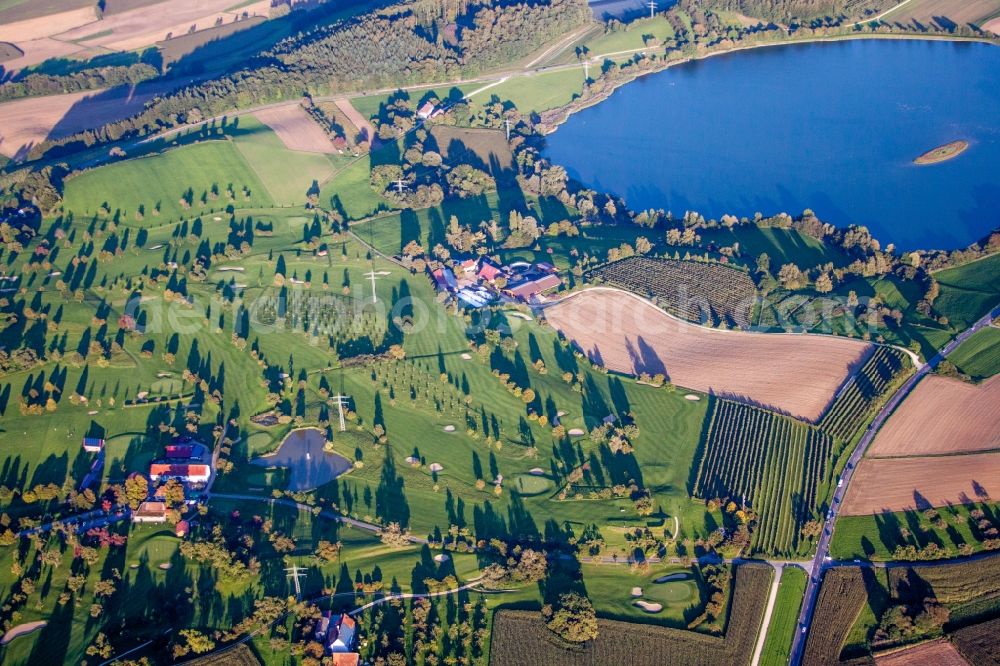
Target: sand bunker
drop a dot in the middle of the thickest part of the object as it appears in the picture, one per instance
(576, 432)
(466, 357)
(692, 397)
(636, 591)
(649, 606)
(449, 428)
(21, 630)
(537, 471)
(441, 557)
(165, 566)
(436, 467)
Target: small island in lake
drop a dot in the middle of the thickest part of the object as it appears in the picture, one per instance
(943, 153)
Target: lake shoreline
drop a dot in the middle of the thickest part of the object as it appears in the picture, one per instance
(553, 118)
(921, 119)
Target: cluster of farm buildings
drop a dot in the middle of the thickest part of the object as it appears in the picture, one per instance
(184, 461)
(476, 283)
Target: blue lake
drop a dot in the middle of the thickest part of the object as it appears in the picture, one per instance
(829, 126)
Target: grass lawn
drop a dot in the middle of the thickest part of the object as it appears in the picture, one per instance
(876, 537)
(784, 618)
(350, 191)
(783, 246)
(540, 92)
(162, 180)
(635, 37)
(610, 587)
(979, 356)
(287, 174)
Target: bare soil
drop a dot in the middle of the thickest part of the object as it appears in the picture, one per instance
(29, 121)
(296, 129)
(793, 374)
(46, 26)
(943, 415)
(903, 484)
(358, 120)
(939, 652)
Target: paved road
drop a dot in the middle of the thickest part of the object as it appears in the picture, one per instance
(823, 548)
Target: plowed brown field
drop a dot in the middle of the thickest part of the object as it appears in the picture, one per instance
(296, 129)
(902, 484)
(794, 374)
(943, 416)
(938, 653)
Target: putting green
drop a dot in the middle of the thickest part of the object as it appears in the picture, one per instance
(531, 484)
(672, 592)
(166, 386)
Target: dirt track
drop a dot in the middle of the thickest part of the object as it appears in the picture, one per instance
(296, 129)
(795, 374)
(943, 416)
(901, 484)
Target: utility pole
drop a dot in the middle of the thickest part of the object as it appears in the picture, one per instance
(295, 573)
(652, 8)
(341, 401)
(506, 121)
(400, 185)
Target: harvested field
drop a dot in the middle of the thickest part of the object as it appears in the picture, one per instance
(939, 652)
(9, 52)
(520, 637)
(627, 334)
(39, 50)
(45, 26)
(946, 14)
(177, 47)
(993, 25)
(978, 643)
(29, 121)
(943, 415)
(901, 484)
(359, 121)
(296, 129)
(147, 25)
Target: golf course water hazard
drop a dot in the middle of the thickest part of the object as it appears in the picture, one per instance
(833, 127)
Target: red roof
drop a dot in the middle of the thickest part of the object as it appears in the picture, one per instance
(166, 469)
(151, 509)
(529, 289)
(182, 528)
(489, 272)
(345, 658)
